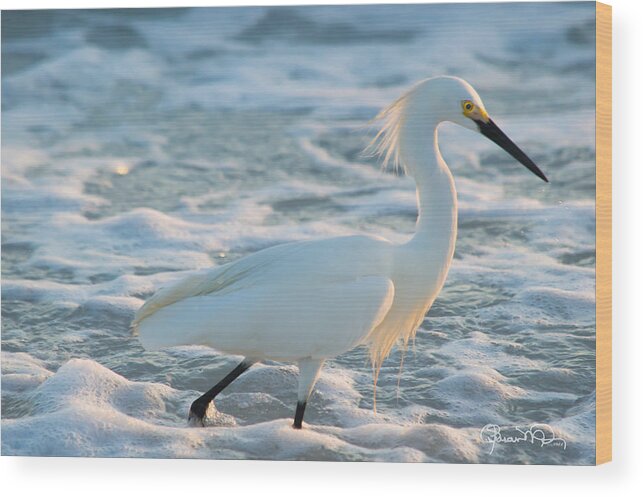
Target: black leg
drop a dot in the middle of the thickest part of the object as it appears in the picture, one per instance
(299, 415)
(200, 405)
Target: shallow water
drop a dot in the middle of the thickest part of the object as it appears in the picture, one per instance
(138, 145)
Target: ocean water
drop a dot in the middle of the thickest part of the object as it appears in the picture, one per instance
(140, 145)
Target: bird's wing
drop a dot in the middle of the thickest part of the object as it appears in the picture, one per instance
(277, 318)
(221, 280)
(320, 297)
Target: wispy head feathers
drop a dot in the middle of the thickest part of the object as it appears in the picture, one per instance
(386, 144)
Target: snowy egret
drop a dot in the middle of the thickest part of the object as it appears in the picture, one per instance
(308, 301)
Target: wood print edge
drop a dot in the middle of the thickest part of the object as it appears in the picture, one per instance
(603, 233)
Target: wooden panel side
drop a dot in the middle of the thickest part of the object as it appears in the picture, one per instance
(603, 233)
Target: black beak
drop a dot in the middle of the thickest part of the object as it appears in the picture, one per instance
(495, 134)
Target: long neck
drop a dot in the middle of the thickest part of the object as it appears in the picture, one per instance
(436, 194)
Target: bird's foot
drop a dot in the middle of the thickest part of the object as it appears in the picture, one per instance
(206, 415)
(299, 415)
(197, 414)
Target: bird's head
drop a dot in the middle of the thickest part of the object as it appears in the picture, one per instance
(462, 105)
(439, 99)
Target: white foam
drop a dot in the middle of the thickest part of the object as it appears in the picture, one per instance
(21, 372)
(86, 409)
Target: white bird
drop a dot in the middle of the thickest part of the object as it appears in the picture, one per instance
(308, 301)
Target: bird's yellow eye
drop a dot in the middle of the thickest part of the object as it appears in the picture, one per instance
(468, 107)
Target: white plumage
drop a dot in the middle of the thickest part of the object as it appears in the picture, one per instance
(308, 301)
(277, 303)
